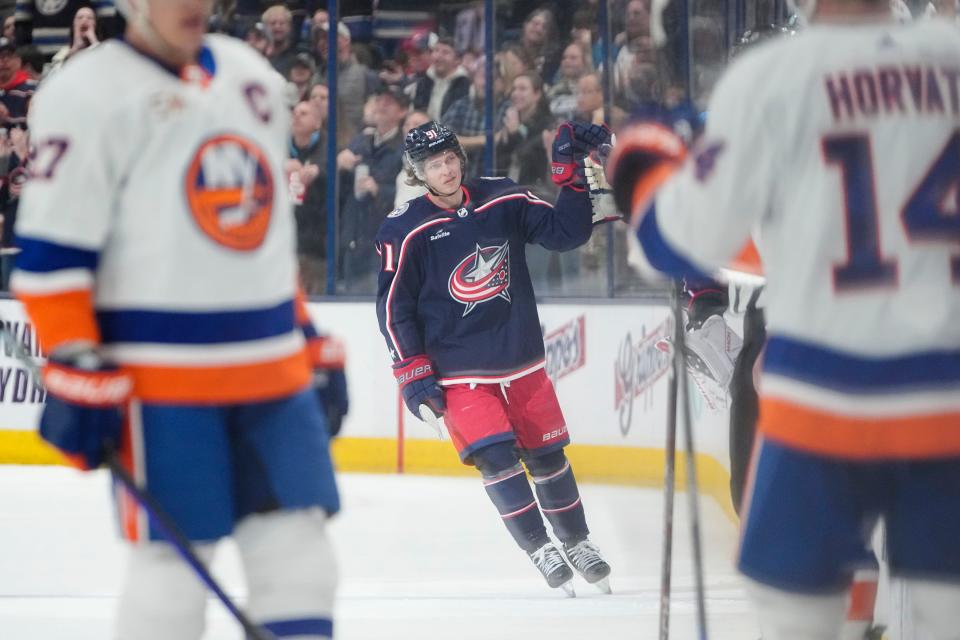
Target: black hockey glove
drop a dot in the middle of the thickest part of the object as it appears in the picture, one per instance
(574, 142)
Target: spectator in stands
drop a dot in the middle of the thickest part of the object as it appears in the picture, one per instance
(465, 117)
(541, 41)
(637, 76)
(306, 169)
(258, 37)
(584, 31)
(14, 159)
(589, 106)
(302, 75)
(9, 27)
(520, 151)
(637, 23)
(368, 170)
(83, 35)
(16, 87)
(513, 60)
(419, 52)
(442, 83)
(51, 22)
(562, 95)
(355, 81)
(406, 191)
(33, 61)
(279, 22)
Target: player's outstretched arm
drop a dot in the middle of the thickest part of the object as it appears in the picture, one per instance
(692, 213)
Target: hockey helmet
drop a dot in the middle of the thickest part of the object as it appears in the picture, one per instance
(427, 140)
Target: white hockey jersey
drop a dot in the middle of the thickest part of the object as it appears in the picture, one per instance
(839, 150)
(156, 223)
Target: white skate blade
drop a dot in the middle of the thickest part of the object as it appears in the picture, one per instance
(568, 588)
(604, 585)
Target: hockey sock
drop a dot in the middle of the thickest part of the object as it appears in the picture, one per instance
(162, 597)
(510, 492)
(291, 572)
(559, 496)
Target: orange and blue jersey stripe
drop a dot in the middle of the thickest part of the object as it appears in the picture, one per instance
(835, 403)
(203, 357)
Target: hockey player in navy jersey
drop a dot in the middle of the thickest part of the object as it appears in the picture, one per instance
(456, 306)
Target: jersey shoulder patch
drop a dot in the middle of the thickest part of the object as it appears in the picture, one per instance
(399, 211)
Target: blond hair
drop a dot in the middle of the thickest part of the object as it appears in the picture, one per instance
(277, 10)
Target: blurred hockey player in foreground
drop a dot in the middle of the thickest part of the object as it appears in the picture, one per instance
(847, 174)
(456, 306)
(159, 269)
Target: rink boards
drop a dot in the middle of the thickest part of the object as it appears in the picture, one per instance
(610, 378)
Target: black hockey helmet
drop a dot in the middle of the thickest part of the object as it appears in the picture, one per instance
(427, 140)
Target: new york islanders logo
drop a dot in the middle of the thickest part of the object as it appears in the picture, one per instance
(230, 191)
(482, 276)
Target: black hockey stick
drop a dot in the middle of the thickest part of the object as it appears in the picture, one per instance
(161, 520)
(693, 500)
(669, 476)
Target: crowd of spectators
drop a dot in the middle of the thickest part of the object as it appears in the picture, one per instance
(547, 69)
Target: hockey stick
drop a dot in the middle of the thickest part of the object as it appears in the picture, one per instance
(163, 522)
(669, 476)
(693, 501)
(183, 546)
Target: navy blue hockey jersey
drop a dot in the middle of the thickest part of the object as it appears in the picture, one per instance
(454, 284)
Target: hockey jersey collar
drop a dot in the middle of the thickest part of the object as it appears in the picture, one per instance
(202, 71)
(466, 201)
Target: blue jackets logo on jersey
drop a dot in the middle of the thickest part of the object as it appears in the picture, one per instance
(229, 188)
(482, 276)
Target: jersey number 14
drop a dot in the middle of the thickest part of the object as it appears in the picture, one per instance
(931, 214)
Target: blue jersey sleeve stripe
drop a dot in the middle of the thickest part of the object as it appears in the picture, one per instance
(42, 256)
(660, 254)
(169, 327)
(848, 373)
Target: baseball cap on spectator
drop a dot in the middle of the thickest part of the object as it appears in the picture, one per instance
(421, 41)
(396, 93)
(6, 44)
(305, 60)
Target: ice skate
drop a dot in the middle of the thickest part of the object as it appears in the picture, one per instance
(554, 568)
(711, 350)
(586, 559)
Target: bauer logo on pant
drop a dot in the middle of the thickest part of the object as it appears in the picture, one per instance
(482, 276)
(229, 189)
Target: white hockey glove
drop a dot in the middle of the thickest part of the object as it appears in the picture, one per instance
(601, 194)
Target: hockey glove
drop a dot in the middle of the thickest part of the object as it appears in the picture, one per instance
(645, 155)
(328, 358)
(83, 415)
(599, 190)
(573, 142)
(421, 392)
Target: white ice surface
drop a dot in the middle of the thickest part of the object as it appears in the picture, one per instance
(421, 558)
